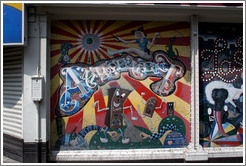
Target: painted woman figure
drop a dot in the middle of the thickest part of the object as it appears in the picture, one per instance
(141, 40)
(218, 93)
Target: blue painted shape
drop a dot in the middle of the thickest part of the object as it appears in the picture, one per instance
(175, 139)
(12, 25)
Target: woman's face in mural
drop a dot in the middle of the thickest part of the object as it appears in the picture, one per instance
(139, 35)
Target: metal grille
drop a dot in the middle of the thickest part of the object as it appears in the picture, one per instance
(12, 91)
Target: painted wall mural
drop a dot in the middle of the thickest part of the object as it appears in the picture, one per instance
(221, 84)
(120, 85)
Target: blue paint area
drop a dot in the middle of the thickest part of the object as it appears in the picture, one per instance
(12, 25)
(175, 139)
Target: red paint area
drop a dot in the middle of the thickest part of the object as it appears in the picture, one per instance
(130, 26)
(56, 30)
(73, 122)
(71, 25)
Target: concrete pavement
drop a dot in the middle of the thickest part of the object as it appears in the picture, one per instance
(9, 160)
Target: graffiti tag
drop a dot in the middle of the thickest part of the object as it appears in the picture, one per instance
(80, 81)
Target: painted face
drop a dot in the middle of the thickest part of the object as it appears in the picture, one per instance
(139, 34)
(119, 97)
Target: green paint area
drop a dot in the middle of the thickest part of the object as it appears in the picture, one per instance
(173, 120)
(96, 144)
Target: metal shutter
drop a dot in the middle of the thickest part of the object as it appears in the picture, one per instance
(12, 91)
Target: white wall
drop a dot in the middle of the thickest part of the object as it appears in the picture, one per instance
(35, 55)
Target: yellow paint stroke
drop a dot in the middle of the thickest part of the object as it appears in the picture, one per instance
(115, 25)
(89, 117)
(62, 37)
(105, 101)
(204, 139)
(154, 24)
(175, 33)
(162, 139)
(186, 79)
(104, 89)
(93, 55)
(118, 33)
(65, 27)
(183, 50)
(83, 56)
(214, 145)
(15, 5)
(55, 83)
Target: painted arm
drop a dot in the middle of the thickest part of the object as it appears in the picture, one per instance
(162, 101)
(142, 98)
(123, 41)
(99, 110)
(153, 40)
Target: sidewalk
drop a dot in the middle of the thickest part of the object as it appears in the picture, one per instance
(9, 160)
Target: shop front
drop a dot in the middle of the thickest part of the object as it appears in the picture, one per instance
(153, 82)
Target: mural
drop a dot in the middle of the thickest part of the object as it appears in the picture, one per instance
(221, 85)
(120, 85)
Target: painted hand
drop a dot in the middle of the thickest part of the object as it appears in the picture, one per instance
(112, 133)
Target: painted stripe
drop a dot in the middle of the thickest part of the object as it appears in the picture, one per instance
(105, 26)
(231, 143)
(88, 25)
(15, 5)
(70, 24)
(59, 31)
(55, 83)
(58, 41)
(96, 24)
(114, 46)
(179, 41)
(128, 26)
(100, 116)
(89, 117)
(54, 100)
(186, 61)
(171, 27)
(55, 52)
(103, 53)
(73, 122)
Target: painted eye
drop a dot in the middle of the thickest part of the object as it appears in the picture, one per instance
(117, 93)
(123, 95)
